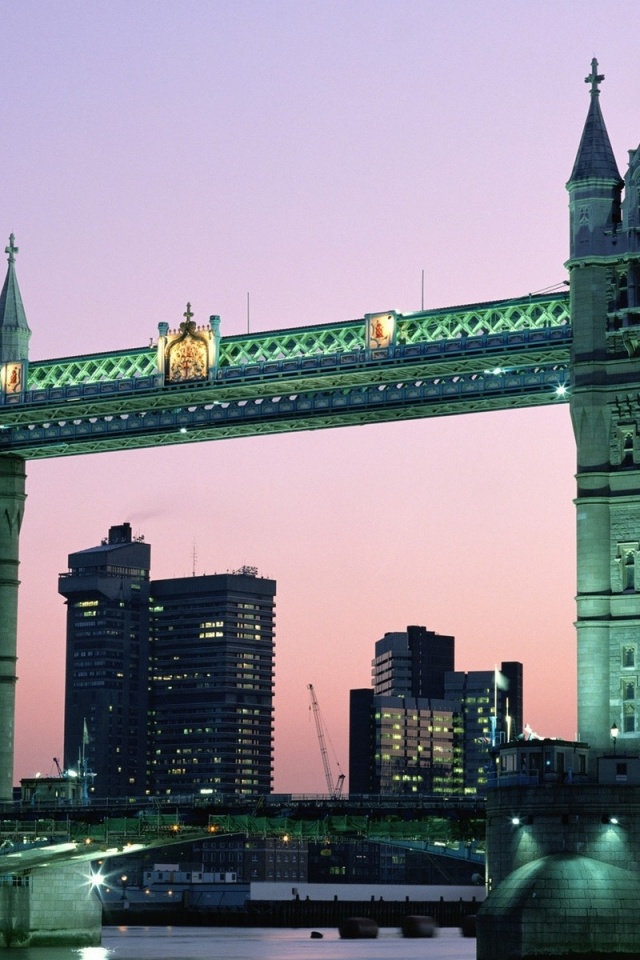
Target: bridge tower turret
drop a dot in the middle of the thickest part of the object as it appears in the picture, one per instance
(14, 352)
(14, 329)
(605, 408)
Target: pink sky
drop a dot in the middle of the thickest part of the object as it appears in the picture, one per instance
(319, 156)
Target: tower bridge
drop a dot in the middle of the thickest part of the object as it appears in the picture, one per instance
(192, 384)
(506, 354)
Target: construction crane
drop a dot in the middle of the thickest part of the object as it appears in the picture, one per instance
(335, 792)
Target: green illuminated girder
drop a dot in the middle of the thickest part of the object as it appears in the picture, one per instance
(482, 357)
(345, 406)
(475, 320)
(144, 395)
(502, 316)
(93, 368)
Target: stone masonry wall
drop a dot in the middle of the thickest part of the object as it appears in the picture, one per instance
(562, 819)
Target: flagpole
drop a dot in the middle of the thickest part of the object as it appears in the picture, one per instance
(494, 722)
(83, 764)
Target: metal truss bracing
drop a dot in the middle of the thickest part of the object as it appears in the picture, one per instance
(483, 357)
(504, 316)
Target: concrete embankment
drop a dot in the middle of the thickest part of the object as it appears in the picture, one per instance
(293, 913)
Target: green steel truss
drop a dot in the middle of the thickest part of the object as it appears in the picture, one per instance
(431, 326)
(491, 356)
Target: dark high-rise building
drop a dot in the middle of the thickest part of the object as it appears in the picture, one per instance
(413, 663)
(212, 684)
(402, 745)
(403, 736)
(169, 683)
(487, 717)
(106, 701)
(424, 727)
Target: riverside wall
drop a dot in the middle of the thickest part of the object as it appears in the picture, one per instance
(294, 913)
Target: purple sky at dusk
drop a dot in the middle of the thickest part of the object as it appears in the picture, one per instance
(320, 156)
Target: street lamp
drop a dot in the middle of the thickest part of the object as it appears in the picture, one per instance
(614, 735)
(123, 884)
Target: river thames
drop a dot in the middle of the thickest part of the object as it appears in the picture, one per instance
(236, 943)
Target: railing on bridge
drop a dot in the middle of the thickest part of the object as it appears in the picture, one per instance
(298, 350)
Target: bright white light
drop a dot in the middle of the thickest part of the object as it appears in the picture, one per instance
(183, 429)
(561, 390)
(97, 880)
(515, 821)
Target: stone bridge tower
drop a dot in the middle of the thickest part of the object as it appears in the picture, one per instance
(604, 269)
(14, 353)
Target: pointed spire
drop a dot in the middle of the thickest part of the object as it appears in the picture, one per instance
(595, 157)
(14, 329)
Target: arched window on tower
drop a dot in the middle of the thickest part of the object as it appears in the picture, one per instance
(629, 718)
(629, 690)
(629, 657)
(624, 576)
(617, 293)
(634, 284)
(624, 446)
(628, 575)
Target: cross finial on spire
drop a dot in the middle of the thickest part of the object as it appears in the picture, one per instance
(594, 78)
(12, 249)
(187, 314)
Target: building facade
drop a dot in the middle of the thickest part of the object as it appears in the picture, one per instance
(604, 270)
(487, 719)
(425, 728)
(402, 745)
(413, 662)
(211, 690)
(169, 683)
(107, 661)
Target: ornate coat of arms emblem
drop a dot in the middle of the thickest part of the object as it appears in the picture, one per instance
(187, 352)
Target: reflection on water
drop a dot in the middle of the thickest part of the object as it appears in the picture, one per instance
(234, 943)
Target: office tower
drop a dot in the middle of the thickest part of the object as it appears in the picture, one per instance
(212, 671)
(413, 662)
(402, 745)
(424, 727)
(402, 735)
(169, 683)
(106, 700)
(485, 699)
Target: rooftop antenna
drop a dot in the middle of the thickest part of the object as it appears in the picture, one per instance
(194, 557)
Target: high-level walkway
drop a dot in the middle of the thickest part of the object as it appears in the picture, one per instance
(488, 356)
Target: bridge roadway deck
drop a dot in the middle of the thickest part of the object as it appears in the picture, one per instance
(494, 356)
(41, 836)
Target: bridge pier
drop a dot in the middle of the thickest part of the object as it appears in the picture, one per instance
(12, 498)
(562, 865)
(56, 906)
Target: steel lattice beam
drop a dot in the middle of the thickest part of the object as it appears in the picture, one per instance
(482, 357)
